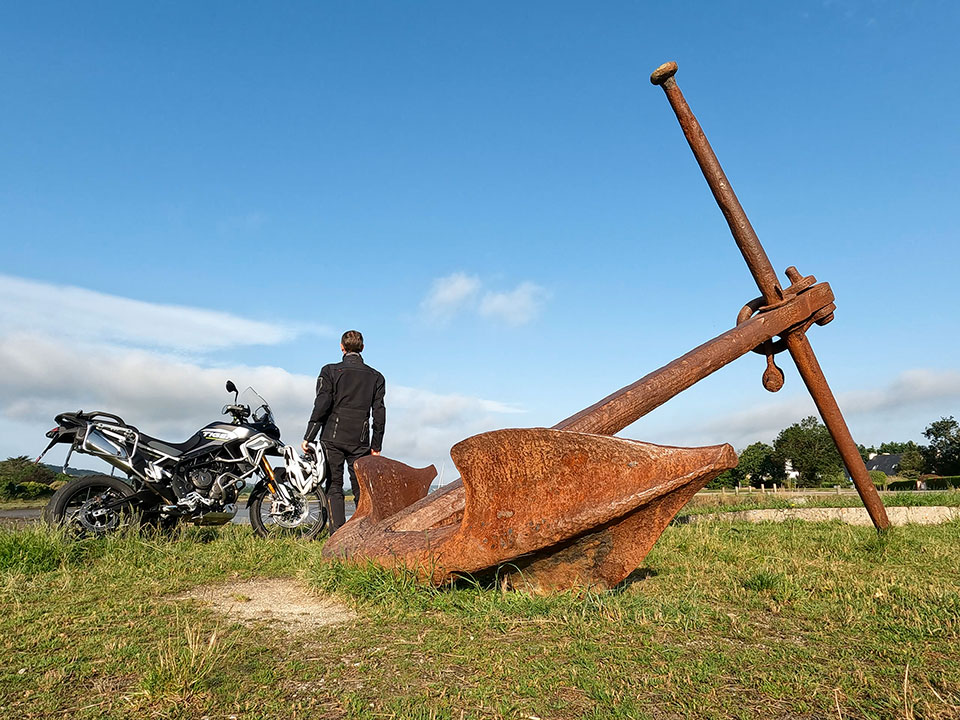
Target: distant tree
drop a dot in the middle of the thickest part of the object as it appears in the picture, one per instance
(897, 448)
(912, 463)
(22, 469)
(866, 452)
(20, 477)
(758, 465)
(943, 453)
(810, 450)
(880, 479)
(723, 480)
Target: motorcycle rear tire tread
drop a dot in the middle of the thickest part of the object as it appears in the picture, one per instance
(53, 512)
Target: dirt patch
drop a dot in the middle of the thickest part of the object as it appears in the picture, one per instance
(288, 601)
(921, 515)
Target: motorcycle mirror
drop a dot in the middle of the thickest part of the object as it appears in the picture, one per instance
(232, 388)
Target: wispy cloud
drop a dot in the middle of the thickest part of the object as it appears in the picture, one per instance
(89, 316)
(912, 388)
(448, 295)
(64, 348)
(911, 392)
(459, 293)
(514, 307)
(171, 398)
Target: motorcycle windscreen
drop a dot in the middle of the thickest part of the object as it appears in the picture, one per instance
(259, 408)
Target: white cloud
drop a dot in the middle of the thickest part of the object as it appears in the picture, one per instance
(911, 388)
(65, 348)
(514, 307)
(908, 398)
(448, 295)
(94, 317)
(425, 425)
(460, 292)
(171, 398)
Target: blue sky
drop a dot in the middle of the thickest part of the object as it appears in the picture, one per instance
(493, 193)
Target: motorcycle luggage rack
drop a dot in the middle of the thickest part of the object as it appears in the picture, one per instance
(92, 416)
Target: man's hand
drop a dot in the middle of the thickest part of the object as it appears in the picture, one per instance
(375, 452)
(306, 447)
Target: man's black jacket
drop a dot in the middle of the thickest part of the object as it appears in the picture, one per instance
(347, 393)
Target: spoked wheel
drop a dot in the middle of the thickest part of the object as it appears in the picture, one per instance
(287, 513)
(90, 506)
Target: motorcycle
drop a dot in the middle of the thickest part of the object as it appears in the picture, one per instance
(196, 481)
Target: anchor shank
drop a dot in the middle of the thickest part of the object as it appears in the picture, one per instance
(617, 411)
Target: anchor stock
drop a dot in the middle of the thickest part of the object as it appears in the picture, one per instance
(766, 279)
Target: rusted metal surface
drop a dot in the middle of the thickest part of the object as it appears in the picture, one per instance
(766, 279)
(388, 486)
(528, 494)
(550, 509)
(617, 411)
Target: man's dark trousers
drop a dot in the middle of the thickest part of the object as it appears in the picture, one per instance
(336, 455)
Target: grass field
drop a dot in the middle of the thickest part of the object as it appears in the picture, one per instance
(723, 621)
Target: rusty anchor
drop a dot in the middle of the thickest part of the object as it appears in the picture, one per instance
(549, 509)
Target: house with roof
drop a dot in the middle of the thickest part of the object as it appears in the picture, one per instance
(887, 463)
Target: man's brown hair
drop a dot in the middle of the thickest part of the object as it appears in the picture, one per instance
(352, 341)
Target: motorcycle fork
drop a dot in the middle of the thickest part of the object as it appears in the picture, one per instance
(271, 483)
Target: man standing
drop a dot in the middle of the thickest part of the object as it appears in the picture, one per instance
(347, 393)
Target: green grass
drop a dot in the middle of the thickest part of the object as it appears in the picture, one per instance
(724, 621)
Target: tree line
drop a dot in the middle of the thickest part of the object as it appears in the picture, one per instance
(809, 449)
(23, 479)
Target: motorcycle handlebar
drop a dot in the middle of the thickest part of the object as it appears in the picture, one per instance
(236, 410)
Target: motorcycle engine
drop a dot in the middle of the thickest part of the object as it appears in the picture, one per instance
(214, 482)
(201, 480)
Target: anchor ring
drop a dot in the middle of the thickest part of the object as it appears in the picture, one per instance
(770, 347)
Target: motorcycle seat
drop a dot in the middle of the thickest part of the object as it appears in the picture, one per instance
(171, 448)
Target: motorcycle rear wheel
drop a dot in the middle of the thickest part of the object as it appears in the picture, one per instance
(78, 506)
(307, 518)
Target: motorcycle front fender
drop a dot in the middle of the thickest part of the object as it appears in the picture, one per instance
(259, 489)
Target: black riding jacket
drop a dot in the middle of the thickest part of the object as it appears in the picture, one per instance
(347, 393)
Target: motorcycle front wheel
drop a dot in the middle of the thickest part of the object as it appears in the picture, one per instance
(302, 516)
(87, 506)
